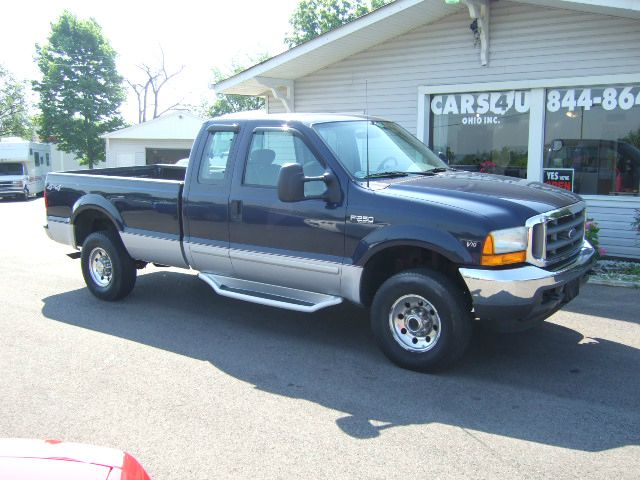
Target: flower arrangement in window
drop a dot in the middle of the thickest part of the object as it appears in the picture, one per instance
(487, 166)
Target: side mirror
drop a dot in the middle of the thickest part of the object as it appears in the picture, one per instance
(291, 185)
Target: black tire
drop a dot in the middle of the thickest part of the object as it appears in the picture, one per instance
(420, 320)
(113, 274)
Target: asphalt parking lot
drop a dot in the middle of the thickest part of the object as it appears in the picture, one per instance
(198, 386)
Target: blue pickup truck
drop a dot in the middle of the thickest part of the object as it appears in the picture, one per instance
(304, 211)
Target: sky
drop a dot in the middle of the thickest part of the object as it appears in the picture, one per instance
(199, 35)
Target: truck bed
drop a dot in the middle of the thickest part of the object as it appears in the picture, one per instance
(148, 199)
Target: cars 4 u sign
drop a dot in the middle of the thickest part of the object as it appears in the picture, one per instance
(559, 177)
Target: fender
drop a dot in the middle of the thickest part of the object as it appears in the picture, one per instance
(438, 241)
(93, 201)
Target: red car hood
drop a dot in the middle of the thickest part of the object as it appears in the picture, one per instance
(54, 460)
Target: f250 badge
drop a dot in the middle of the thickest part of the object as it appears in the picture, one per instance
(360, 219)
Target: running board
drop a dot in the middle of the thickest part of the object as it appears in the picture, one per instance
(270, 295)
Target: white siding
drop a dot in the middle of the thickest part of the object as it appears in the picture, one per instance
(614, 216)
(120, 150)
(274, 105)
(527, 43)
(63, 162)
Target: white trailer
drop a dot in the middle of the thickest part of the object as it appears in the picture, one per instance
(23, 167)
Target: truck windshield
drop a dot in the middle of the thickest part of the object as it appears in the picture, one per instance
(7, 169)
(371, 148)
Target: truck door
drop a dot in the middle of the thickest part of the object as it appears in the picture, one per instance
(206, 201)
(298, 245)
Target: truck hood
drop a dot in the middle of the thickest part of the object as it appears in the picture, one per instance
(479, 192)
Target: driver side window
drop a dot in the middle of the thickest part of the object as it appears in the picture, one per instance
(270, 150)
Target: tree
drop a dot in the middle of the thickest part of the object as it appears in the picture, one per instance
(315, 17)
(14, 116)
(80, 90)
(154, 79)
(233, 103)
(633, 137)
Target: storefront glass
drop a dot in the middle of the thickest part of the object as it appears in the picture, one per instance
(486, 132)
(594, 133)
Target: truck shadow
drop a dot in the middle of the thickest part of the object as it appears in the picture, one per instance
(549, 386)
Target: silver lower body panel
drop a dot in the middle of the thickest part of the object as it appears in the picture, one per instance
(165, 251)
(61, 231)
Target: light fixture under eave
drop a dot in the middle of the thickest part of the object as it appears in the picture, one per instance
(451, 2)
(571, 114)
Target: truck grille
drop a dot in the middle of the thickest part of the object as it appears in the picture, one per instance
(556, 236)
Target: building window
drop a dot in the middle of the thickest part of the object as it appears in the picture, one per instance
(595, 131)
(486, 131)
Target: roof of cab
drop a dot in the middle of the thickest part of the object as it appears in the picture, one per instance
(305, 118)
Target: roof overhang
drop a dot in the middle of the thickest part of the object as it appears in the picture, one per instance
(375, 28)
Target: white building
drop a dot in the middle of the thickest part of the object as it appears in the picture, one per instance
(509, 86)
(165, 139)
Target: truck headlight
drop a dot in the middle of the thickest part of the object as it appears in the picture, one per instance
(503, 247)
(18, 183)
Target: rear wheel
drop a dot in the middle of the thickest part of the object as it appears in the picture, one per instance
(107, 268)
(420, 320)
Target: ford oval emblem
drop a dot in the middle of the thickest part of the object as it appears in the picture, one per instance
(571, 233)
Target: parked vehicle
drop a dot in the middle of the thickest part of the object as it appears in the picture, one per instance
(305, 211)
(23, 167)
(27, 459)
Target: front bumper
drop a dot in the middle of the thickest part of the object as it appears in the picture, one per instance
(12, 192)
(519, 298)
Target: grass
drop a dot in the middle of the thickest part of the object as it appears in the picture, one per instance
(617, 270)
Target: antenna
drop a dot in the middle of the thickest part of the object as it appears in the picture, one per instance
(366, 123)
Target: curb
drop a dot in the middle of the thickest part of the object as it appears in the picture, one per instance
(612, 283)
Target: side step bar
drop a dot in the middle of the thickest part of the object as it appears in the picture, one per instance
(270, 295)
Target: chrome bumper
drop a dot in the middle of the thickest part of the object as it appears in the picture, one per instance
(517, 298)
(60, 230)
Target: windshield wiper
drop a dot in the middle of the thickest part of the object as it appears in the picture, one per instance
(440, 170)
(386, 174)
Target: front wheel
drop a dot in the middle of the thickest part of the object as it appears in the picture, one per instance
(107, 268)
(420, 320)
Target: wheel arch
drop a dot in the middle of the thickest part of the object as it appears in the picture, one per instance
(398, 256)
(92, 213)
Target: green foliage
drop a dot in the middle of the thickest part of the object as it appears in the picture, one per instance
(14, 117)
(633, 138)
(315, 17)
(591, 231)
(80, 90)
(636, 224)
(233, 103)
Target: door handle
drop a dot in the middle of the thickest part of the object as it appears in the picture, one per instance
(236, 210)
